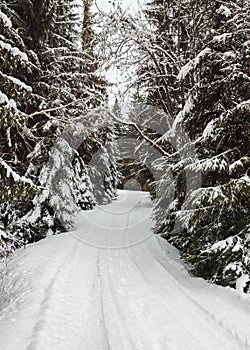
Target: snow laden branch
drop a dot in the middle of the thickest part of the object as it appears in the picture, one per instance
(142, 134)
(16, 177)
(192, 64)
(55, 109)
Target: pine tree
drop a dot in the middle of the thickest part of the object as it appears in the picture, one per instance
(65, 77)
(51, 54)
(177, 34)
(18, 66)
(216, 240)
(16, 100)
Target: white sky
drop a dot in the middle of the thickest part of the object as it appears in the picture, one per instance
(105, 5)
(112, 75)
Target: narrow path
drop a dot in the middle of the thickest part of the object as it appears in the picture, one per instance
(113, 285)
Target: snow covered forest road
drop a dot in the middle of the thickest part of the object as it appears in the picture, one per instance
(112, 284)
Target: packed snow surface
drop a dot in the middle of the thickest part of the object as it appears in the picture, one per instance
(112, 284)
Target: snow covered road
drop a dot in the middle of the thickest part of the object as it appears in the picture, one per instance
(112, 284)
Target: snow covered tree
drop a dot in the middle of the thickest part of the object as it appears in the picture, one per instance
(193, 62)
(177, 30)
(216, 241)
(17, 65)
(68, 75)
(52, 64)
(103, 167)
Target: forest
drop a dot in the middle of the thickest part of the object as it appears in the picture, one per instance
(179, 127)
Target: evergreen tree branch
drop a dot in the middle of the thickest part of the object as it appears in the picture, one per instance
(139, 130)
(55, 109)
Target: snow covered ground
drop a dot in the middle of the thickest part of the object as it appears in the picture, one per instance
(112, 284)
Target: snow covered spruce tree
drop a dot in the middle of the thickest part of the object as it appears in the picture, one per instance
(62, 82)
(55, 56)
(216, 240)
(69, 75)
(176, 34)
(18, 66)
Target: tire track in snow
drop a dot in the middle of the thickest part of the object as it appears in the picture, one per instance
(118, 307)
(116, 320)
(204, 318)
(109, 297)
(165, 277)
(45, 305)
(185, 291)
(147, 285)
(170, 319)
(103, 321)
(118, 299)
